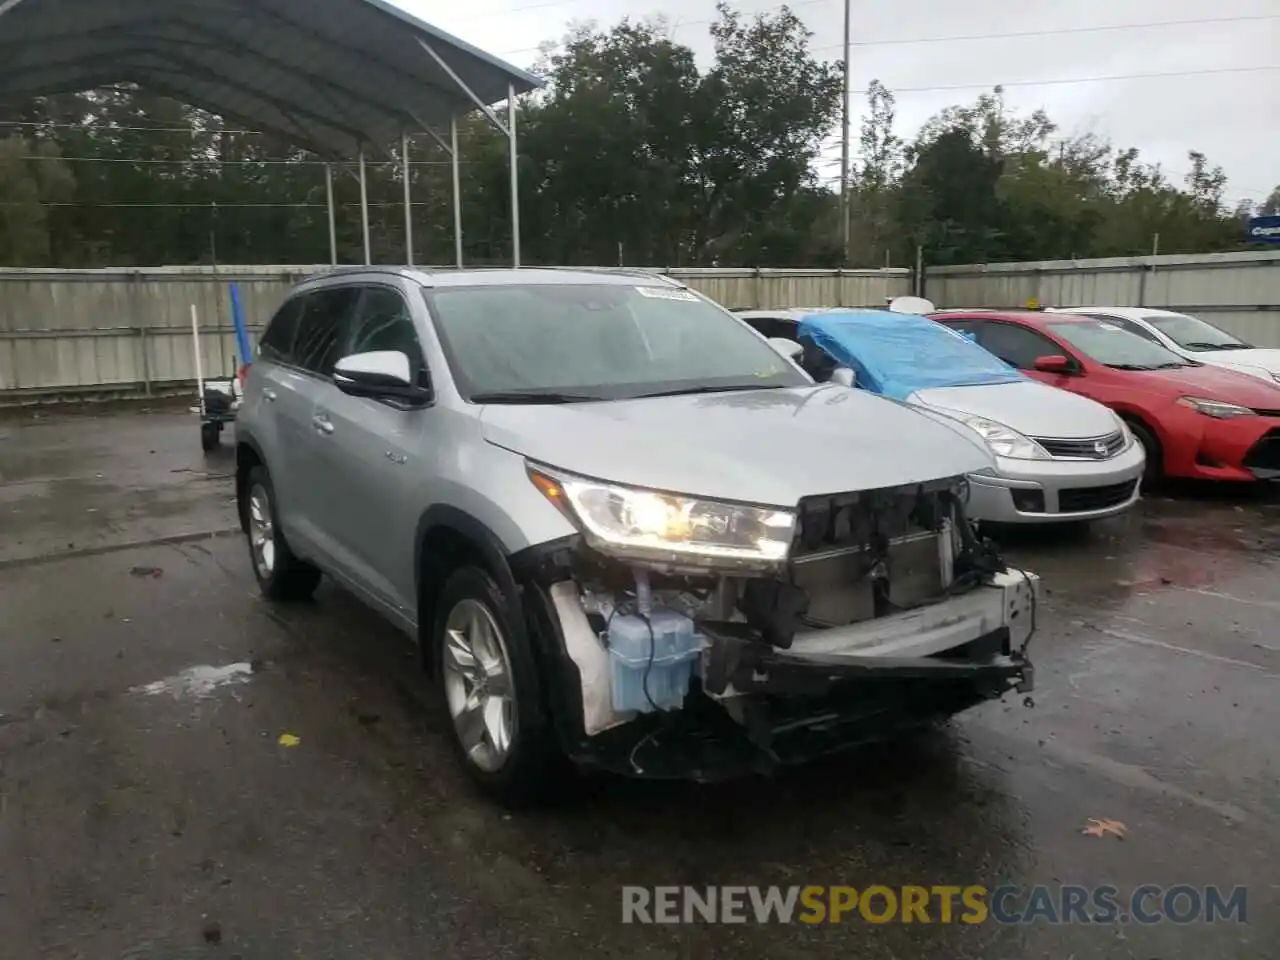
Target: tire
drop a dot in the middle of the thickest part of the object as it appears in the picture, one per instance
(1154, 471)
(504, 742)
(210, 436)
(281, 575)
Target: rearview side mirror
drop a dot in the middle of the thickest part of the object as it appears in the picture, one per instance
(788, 348)
(380, 375)
(1054, 363)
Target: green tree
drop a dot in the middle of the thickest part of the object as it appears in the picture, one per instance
(32, 176)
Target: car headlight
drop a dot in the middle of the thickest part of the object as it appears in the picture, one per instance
(1218, 409)
(1123, 426)
(652, 525)
(1001, 440)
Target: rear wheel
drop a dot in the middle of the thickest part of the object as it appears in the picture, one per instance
(281, 575)
(489, 683)
(1154, 470)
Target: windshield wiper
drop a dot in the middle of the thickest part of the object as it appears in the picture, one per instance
(1169, 366)
(687, 391)
(1201, 345)
(534, 396)
(1128, 366)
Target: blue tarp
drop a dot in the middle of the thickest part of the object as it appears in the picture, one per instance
(896, 354)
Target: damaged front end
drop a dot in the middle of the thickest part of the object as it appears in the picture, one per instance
(694, 638)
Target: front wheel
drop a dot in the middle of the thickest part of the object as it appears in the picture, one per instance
(489, 682)
(1153, 473)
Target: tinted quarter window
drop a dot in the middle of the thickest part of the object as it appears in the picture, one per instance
(383, 322)
(322, 328)
(1016, 346)
(277, 340)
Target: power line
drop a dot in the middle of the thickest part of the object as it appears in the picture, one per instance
(964, 38)
(214, 161)
(1064, 31)
(1070, 80)
(895, 90)
(208, 205)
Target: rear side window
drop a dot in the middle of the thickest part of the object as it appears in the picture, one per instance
(774, 326)
(322, 328)
(277, 339)
(1016, 346)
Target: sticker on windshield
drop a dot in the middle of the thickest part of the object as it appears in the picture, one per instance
(666, 293)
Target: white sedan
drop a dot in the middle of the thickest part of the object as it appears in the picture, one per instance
(1189, 337)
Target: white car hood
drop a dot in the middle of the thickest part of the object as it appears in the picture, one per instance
(1033, 409)
(762, 446)
(1258, 361)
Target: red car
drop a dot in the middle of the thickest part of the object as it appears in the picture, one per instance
(1193, 420)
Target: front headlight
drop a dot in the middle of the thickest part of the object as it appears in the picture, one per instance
(1001, 440)
(651, 525)
(1218, 409)
(1123, 426)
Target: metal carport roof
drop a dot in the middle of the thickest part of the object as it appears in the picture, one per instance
(336, 76)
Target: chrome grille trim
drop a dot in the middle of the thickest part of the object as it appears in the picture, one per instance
(1089, 448)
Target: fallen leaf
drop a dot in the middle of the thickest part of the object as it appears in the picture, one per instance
(289, 740)
(1101, 828)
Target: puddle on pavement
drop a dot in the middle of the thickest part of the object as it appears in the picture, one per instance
(198, 682)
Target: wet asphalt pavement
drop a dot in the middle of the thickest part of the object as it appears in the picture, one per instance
(148, 819)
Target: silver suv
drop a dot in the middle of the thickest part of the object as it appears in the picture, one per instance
(622, 526)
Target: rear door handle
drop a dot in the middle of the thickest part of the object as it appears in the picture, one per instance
(269, 395)
(322, 423)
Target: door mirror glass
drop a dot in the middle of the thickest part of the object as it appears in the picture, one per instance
(788, 348)
(1054, 363)
(844, 376)
(381, 375)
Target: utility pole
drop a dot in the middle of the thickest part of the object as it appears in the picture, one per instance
(844, 143)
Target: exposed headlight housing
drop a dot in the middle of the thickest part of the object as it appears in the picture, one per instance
(1123, 426)
(1001, 440)
(640, 524)
(1218, 409)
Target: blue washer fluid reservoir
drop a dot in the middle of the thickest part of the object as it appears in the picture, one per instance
(675, 646)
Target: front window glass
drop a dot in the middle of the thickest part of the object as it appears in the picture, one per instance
(565, 342)
(1192, 333)
(1116, 347)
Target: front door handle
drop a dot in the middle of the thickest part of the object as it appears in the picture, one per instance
(322, 423)
(269, 395)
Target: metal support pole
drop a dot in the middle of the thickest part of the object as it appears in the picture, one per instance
(333, 227)
(408, 201)
(364, 210)
(457, 191)
(844, 143)
(515, 175)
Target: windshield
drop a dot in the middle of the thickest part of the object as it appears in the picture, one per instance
(1192, 333)
(1115, 347)
(572, 342)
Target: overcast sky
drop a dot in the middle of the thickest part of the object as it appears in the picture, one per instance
(1233, 117)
